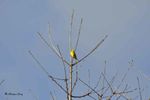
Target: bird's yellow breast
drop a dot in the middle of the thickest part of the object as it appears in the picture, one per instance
(72, 53)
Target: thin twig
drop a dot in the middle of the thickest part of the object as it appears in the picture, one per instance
(72, 96)
(91, 51)
(89, 87)
(122, 94)
(40, 65)
(70, 33)
(51, 40)
(66, 82)
(89, 76)
(76, 80)
(50, 36)
(139, 71)
(51, 47)
(98, 82)
(79, 34)
(61, 79)
(52, 96)
(108, 83)
(123, 91)
(124, 76)
(81, 96)
(51, 77)
(103, 82)
(139, 88)
(92, 97)
(142, 74)
(2, 82)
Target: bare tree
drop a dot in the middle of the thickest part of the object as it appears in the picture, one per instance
(104, 91)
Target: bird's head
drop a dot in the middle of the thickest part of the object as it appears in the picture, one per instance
(72, 50)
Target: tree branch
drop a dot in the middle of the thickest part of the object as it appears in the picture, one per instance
(91, 51)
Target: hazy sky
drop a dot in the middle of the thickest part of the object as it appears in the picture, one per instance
(126, 22)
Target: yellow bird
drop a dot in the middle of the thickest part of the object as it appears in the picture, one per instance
(73, 54)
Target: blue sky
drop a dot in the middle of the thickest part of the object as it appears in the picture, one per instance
(126, 23)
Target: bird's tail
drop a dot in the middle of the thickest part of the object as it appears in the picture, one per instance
(77, 60)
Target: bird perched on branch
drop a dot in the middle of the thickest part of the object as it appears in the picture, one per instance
(73, 54)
